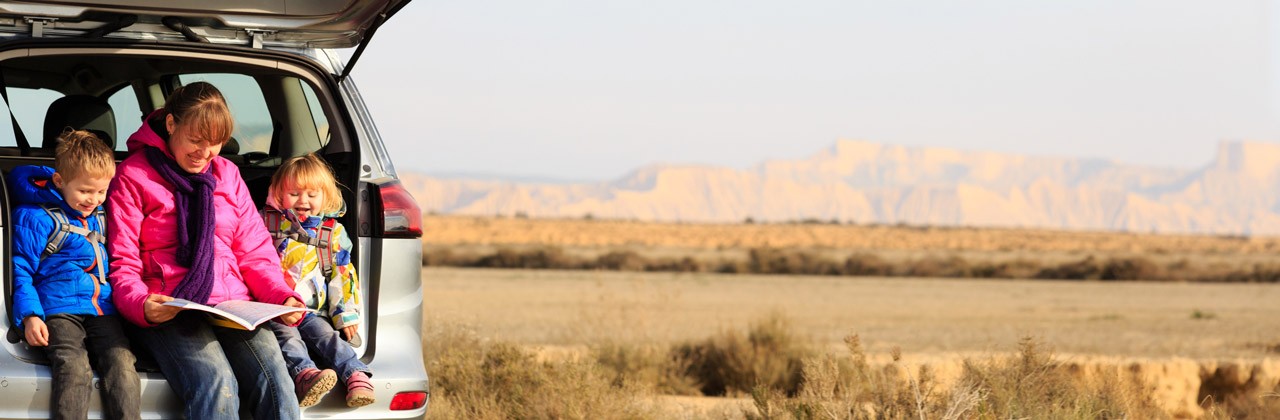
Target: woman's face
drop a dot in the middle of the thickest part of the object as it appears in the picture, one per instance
(191, 148)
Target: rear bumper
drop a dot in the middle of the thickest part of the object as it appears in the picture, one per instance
(26, 389)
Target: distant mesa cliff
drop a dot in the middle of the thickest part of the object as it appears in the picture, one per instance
(1238, 192)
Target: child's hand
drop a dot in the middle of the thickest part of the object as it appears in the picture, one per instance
(37, 332)
(156, 312)
(292, 317)
(350, 331)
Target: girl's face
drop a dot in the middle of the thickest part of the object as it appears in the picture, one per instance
(305, 202)
(192, 149)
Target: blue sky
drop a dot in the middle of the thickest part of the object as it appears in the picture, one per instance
(589, 89)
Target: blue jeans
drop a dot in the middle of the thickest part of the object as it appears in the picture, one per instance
(214, 368)
(73, 340)
(316, 334)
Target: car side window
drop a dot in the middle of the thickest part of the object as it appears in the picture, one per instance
(30, 108)
(124, 104)
(248, 106)
(317, 113)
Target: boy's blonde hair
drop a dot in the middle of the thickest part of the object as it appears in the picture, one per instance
(307, 172)
(81, 153)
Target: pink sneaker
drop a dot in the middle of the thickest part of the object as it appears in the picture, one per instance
(359, 390)
(312, 384)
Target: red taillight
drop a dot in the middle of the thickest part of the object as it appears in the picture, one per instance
(401, 217)
(408, 400)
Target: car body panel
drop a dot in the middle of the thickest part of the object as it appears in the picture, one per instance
(299, 23)
(388, 267)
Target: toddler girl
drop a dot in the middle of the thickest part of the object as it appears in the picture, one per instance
(301, 210)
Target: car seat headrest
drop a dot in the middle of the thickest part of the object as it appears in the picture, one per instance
(81, 112)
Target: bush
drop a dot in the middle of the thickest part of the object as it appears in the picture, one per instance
(1080, 270)
(542, 258)
(1029, 385)
(477, 379)
(775, 261)
(680, 265)
(866, 265)
(621, 261)
(732, 267)
(1136, 268)
(645, 366)
(939, 267)
(1032, 384)
(729, 364)
(438, 258)
(803, 262)
(1259, 273)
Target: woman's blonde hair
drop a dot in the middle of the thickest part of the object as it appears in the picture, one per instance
(307, 172)
(201, 107)
(81, 152)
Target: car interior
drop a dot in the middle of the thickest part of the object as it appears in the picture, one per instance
(279, 113)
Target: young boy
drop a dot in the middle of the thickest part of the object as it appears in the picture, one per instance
(61, 298)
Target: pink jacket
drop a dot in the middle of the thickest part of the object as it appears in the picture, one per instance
(142, 236)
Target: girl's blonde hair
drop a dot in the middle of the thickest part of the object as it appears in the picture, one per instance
(201, 107)
(307, 172)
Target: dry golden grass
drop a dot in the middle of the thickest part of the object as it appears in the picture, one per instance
(1118, 343)
(1188, 342)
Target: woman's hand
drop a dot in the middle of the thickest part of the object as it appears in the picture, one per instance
(292, 317)
(37, 332)
(156, 312)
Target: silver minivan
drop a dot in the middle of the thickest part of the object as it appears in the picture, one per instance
(101, 66)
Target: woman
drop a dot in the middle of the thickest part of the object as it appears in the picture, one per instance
(181, 224)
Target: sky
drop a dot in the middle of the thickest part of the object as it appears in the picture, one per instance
(587, 90)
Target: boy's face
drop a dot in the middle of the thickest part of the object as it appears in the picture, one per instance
(304, 201)
(83, 193)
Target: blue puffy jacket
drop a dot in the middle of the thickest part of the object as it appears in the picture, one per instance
(60, 283)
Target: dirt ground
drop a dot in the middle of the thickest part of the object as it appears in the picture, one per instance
(928, 316)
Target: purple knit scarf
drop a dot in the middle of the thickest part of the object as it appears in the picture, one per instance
(193, 203)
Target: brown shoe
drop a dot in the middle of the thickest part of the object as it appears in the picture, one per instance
(359, 390)
(312, 384)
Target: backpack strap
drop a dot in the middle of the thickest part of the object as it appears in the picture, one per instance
(60, 230)
(63, 227)
(101, 217)
(274, 218)
(321, 241)
(100, 245)
(324, 237)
